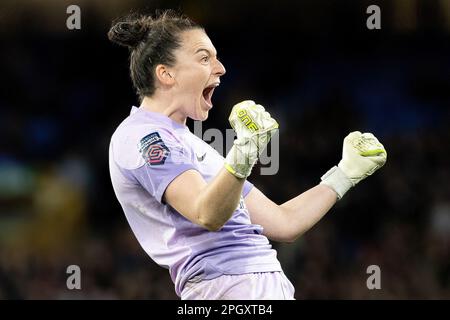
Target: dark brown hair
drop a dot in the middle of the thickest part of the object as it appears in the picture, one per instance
(151, 41)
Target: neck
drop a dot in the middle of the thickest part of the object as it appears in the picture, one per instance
(169, 108)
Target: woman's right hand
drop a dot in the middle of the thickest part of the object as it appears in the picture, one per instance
(254, 128)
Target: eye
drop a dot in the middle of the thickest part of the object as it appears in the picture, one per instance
(205, 59)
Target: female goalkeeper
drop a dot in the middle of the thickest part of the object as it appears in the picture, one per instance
(191, 210)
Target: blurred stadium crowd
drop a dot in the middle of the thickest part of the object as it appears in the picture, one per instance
(64, 92)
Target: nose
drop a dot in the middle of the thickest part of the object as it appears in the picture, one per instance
(219, 69)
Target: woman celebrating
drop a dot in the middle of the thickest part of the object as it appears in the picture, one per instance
(191, 210)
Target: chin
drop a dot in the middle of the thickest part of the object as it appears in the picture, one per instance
(204, 116)
(199, 117)
(201, 114)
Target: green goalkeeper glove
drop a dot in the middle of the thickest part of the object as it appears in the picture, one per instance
(362, 155)
(254, 128)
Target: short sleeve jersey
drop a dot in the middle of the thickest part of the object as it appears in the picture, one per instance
(147, 152)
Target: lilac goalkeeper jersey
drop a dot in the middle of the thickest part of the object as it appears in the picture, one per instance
(149, 150)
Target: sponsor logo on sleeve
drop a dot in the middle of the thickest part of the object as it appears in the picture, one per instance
(153, 149)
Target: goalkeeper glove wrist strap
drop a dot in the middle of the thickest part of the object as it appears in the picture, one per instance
(336, 179)
(234, 172)
(239, 163)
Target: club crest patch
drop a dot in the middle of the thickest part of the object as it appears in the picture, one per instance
(153, 149)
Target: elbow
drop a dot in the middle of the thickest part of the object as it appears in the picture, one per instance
(291, 237)
(292, 231)
(210, 222)
(213, 227)
(283, 237)
(213, 218)
(295, 235)
(288, 239)
(209, 225)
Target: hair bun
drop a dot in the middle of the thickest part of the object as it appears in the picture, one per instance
(129, 31)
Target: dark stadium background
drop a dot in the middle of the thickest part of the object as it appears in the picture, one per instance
(318, 70)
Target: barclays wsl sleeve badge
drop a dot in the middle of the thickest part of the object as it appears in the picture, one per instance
(153, 149)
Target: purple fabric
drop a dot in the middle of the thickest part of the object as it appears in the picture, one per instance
(147, 151)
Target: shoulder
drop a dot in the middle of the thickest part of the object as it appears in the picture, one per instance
(135, 137)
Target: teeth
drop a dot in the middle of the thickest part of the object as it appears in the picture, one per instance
(214, 85)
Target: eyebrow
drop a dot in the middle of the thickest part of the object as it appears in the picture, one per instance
(203, 49)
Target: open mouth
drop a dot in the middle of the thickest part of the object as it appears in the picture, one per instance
(207, 94)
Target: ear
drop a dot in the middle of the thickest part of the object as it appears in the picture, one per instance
(164, 75)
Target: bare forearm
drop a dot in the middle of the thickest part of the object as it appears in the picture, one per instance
(219, 199)
(305, 210)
